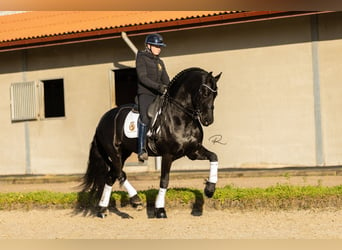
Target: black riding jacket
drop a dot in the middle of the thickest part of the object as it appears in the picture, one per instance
(151, 73)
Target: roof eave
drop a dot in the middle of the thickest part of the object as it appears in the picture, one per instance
(140, 29)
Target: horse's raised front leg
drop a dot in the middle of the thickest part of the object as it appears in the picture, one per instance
(164, 183)
(203, 154)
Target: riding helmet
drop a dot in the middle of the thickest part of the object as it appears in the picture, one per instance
(155, 39)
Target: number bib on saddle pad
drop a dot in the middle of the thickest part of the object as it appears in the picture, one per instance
(131, 125)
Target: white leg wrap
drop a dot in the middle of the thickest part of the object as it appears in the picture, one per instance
(130, 189)
(213, 171)
(107, 191)
(160, 201)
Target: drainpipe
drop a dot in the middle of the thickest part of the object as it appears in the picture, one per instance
(129, 42)
(124, 36)
(26, 124)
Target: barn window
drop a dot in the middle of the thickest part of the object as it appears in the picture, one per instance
(37, 100)
(54, 98)
(24, 101)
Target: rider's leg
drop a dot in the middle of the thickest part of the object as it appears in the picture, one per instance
(142, 131)
(143, 123)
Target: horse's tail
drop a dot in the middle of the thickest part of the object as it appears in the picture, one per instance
(94, 178)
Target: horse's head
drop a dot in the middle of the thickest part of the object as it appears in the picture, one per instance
(205, 99)
(194, 91)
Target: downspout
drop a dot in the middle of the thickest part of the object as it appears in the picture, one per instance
(319, 147)
(124, 36)
(129, 43)
(26, 124)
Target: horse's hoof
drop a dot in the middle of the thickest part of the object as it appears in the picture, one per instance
(160, 213)
(209, 189)
(135, 202)
(102, 213)
(139, 207)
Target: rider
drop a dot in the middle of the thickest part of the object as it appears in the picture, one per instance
(153, 80)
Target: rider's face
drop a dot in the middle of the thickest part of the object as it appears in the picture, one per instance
(155, 49)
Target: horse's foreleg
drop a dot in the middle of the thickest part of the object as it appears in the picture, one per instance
(203, 154)
(210, 184)
(164, 183)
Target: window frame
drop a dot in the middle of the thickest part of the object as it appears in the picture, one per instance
(27, 100)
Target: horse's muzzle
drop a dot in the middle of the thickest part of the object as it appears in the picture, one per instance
(207, 122)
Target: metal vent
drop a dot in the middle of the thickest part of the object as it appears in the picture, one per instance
(24, 101)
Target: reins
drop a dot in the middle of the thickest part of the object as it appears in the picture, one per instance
(194, 114)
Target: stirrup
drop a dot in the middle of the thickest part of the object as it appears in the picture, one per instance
(143, 156)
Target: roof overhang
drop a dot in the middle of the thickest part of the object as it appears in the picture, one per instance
(142, 29)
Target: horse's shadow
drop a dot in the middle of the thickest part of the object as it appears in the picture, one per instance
(197, 204)
(87, 203)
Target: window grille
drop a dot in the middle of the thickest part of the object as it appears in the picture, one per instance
(24, 101)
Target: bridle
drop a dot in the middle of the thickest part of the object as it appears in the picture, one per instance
(207, 86)
(193, 113)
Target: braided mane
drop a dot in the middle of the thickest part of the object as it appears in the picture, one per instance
(183, 72)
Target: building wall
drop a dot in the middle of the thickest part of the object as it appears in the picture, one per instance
(264, 112)
(330, 49)
(57, 145)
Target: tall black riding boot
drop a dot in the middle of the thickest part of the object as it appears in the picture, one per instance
(142, 152)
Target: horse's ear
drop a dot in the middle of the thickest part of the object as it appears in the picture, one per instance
(218, 77)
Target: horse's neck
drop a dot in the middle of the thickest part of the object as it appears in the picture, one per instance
(183, 98)
(179, 109)
(177, 116)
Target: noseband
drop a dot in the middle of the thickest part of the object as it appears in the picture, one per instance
(207, 86)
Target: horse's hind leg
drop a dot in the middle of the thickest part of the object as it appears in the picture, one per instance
(106, 193)
(113, 161)
(134, 199)
(116, 159)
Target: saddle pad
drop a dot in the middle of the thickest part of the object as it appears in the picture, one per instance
(131, 125)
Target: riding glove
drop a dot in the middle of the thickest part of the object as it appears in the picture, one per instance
(162, 89)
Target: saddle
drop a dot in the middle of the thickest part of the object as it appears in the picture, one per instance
(154, 107)
(131, 120)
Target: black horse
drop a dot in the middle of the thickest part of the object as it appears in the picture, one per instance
(176, 132)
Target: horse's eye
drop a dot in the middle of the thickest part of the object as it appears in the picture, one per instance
(205, 93)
